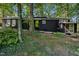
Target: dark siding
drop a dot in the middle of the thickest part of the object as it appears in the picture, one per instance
(51, 25)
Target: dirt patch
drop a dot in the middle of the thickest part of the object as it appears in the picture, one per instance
(56, 44)
(60, 50)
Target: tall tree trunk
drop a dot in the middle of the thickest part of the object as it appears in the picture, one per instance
(3, 21)
(41, 11)
(31, 22)
(19, 22)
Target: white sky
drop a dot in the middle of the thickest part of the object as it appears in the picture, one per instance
(39, 1)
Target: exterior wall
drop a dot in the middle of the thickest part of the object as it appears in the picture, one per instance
(47, 25)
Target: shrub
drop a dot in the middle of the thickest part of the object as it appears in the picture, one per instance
(8, 36)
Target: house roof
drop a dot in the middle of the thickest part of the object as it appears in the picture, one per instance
(11, 18)
(44, 18)
(35, 18)
(67, 23)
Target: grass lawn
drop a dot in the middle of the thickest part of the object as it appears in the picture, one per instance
(43, 44)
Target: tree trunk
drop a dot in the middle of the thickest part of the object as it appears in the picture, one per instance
(3, 21)
(19, 22)
(31, 22)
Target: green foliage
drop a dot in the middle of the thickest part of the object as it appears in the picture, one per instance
(8, 37)
(6, 9)
(58, 34)
(37, 24)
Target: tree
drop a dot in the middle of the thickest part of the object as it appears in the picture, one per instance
(31, 21)
(19, 21)
(6, 10)
(38, 10)
(50, 10)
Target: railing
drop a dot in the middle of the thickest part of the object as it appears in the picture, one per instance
(65, 25)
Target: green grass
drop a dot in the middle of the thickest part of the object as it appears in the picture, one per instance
(42, 44)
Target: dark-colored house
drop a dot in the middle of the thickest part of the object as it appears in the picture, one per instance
(49, 24)
(44, 24)
(40, 23)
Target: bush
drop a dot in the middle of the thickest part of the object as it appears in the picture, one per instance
(8, 36)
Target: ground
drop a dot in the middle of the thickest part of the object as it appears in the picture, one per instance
(44, 44)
